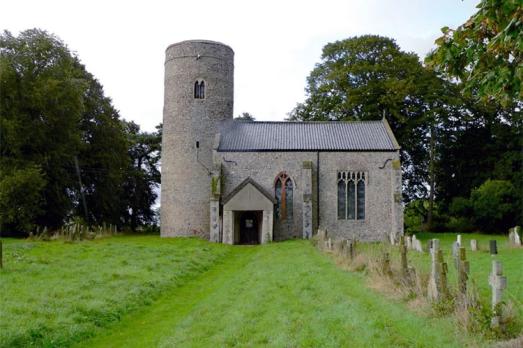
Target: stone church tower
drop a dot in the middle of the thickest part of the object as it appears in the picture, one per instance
(199, 88)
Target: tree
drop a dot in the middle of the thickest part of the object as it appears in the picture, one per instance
(142, 176)
(41, 104)
(485, 53)
(493, 204)
(53, 112)
(369, 77)
(245, 116)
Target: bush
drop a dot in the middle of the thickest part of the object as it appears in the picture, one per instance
(494, 205)
(20, 199)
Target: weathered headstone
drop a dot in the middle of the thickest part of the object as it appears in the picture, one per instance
(350, 249)
(473, 245)
(493, 247)
(498, 283)
(463, 271)
(437, 287)
(429, 246)
(403, 253)
(458, 239)
(338, 247)
(386, 269)
(409, 242)
(514, 237)
(455, 249)
(416, 244)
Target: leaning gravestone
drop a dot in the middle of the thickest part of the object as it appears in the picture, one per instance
(473, 245)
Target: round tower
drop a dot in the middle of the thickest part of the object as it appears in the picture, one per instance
(198, 95)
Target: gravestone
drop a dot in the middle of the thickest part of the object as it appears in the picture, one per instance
(429, 246)
(493, 247)
(329, 244)
(498, 283)
(437, 288)
(463, 271)
(350, 248)
(514, 237)
(403, 253)
(473, 245)
(409, 242)
(416, 244)
(338, 247)
(458, 239)
(455, 249)
(386, 269)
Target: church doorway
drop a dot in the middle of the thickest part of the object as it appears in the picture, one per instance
(250, 226)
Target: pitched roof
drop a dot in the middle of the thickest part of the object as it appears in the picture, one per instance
(244, 183)
(307, 136)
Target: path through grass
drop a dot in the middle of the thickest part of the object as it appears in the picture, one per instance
(281, 295)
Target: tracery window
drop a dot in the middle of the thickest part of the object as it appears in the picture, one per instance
(199, 90)
(351, 195)
(283, 191)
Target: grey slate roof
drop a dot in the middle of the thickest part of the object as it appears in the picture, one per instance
(306, 136)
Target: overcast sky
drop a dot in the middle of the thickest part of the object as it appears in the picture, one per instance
(276, 43)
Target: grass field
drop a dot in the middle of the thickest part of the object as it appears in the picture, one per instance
(53, 294)
(152, 292)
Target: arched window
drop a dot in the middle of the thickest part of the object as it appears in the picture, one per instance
(351, 195)
(199, 90)
(196, 90)
(202, 90)
(283, 191)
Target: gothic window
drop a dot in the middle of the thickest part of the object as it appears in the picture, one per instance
(351, 195)
(202, 90)
(196, 90)
(199, 90)
(283, 192)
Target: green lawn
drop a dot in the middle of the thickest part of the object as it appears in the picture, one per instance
(54, 293)
(152, 292)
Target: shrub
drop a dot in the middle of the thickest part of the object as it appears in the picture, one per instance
(20, 199)
(494, 205)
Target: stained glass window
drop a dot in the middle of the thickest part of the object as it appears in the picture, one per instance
(283, 192)
(361, 200)
(351, 195)
(342, 199)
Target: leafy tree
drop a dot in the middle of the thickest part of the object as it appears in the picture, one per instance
(369, 77)
(53, 112)
(245, 116)
(142, 176)
(485, 53)
(493, 204)
(20, 198)
(41, 104)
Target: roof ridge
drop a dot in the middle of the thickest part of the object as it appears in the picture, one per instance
(307, 122)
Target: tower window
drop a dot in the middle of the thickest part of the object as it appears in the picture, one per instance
(199, 90)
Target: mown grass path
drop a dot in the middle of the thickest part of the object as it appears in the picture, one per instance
(282, 295)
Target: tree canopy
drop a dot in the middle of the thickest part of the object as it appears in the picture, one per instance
(486, 52)
(54, 114)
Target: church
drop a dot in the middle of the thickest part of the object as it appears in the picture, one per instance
(242, 182)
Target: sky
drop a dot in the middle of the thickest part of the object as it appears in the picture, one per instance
(276, 42)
